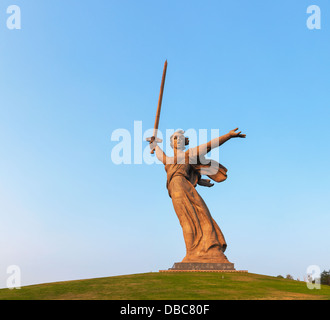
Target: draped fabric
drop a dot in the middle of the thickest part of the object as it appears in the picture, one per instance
(203, 237)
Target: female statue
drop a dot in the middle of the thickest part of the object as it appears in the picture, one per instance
(204, 240)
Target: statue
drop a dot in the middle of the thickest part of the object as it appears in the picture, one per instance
(205, 243)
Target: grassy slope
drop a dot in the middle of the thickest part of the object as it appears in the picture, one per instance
(172, 286)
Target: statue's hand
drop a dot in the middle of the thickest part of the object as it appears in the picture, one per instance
(235, 134)
(153, 145)
(205, 183)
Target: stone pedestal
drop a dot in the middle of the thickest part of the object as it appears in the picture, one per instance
(196, 266)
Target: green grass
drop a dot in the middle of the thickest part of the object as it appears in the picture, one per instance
(171, 286)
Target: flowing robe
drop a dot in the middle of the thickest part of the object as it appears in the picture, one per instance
(204, 240)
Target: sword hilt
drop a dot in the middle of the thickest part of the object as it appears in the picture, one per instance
(152, 140)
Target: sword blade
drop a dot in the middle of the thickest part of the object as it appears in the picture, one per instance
(159, 107)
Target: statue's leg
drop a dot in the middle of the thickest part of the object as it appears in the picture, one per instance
(220, 236)
(218, 231)
(186, 214)
(199, 229)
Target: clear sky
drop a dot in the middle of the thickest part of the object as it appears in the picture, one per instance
(78, 70)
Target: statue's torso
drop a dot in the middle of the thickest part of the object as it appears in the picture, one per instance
(181, 171)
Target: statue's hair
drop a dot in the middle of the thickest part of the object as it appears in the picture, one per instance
(174, 134)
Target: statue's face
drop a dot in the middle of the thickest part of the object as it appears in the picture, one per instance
(179, 141)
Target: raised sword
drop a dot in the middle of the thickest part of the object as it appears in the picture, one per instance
(159, 107)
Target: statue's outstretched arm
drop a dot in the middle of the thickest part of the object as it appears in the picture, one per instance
(205, 148)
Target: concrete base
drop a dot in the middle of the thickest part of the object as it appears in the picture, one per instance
(218, 271)
(196, 266)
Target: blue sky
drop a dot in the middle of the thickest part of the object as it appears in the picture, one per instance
(78, 70)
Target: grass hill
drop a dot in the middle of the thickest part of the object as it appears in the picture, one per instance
(172, 286)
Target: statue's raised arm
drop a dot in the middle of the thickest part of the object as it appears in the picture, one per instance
(205, 148)
(160, 154)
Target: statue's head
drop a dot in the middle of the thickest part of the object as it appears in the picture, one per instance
(178, 140)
